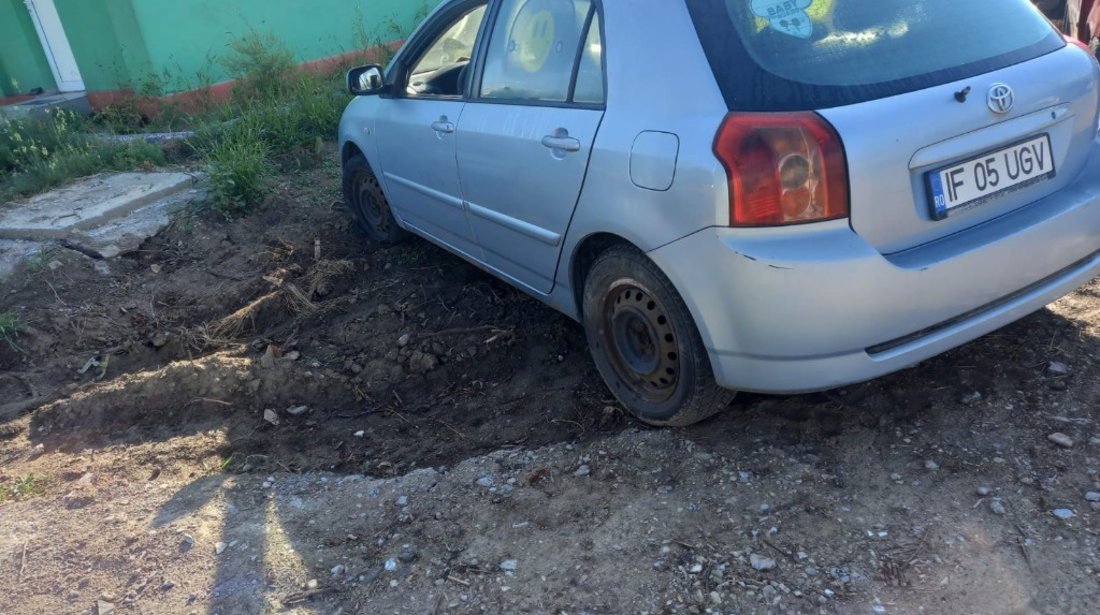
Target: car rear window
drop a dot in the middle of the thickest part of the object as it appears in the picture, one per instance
(812, 54)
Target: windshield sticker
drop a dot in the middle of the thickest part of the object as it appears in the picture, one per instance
(786, 16)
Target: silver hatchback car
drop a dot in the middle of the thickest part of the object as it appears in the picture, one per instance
(764, 195)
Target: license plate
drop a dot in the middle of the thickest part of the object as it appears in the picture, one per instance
(990, 175)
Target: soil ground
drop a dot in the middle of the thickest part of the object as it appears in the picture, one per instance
(269, 416)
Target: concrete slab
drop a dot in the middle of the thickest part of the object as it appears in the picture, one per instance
(14, 252)
(40, 106)
(87, 204)
(101, 218)
(126, 234)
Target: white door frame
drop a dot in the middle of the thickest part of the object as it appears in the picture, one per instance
(59, 54)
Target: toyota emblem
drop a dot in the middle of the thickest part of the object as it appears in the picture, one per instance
(1001, 98)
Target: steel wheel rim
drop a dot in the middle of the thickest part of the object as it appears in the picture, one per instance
(372, 208)
(641, 342)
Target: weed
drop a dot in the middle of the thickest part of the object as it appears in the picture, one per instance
(33, 266)
(22, 488)
(10, 326)
(408, 258)
(261, 62)
(39, 153)
(236, 170)
(123, 116)
(277, 114)
(27, 142)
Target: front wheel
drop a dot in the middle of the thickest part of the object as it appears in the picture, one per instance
(645, 343)
(369, 208)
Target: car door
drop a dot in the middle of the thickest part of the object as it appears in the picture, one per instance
(527, 132)
(416, 127)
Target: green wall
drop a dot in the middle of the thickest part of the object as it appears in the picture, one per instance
(106, 41)
(121, 44)
(185, 37)
(23, 65)
(132, 44)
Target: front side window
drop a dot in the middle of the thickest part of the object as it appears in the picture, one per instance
(440, 70)
(534, 49)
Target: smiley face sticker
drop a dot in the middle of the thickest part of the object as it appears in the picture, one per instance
(538, 36)
(786, 16)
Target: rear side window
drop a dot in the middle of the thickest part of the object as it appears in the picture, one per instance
(809, 54)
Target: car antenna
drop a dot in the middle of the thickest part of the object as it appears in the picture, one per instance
(962, 94)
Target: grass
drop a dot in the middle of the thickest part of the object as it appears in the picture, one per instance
(10, 326)
(278, 117)
(261, 63)
(236, 167)
(279, 114)
(35, 265)
(37, 154)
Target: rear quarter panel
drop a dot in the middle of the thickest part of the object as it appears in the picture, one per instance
(658, 80)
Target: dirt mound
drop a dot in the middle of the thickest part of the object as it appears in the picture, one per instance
(266, 415)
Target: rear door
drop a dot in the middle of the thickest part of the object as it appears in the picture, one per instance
(527, 132)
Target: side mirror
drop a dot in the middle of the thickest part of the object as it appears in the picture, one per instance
(366, 80)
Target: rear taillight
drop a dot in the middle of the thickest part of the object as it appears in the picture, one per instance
(783, 168)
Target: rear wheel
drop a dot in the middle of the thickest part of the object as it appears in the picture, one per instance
(645, 343)
(369, 208)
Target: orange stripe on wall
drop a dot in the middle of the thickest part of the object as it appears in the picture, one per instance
(197, 98)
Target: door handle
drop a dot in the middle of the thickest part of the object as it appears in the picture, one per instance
(562, 143)
(442, 125)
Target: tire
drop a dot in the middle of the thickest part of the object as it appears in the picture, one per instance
(369, 208)
(645, 343)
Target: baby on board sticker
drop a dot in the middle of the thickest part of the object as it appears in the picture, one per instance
(787, 16)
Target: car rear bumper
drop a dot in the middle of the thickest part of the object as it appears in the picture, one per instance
(814, 307)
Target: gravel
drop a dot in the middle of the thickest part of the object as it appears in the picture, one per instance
(1061, 439)
(408, 553)
(971, 398)
(1058, 369)
(759, 562)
